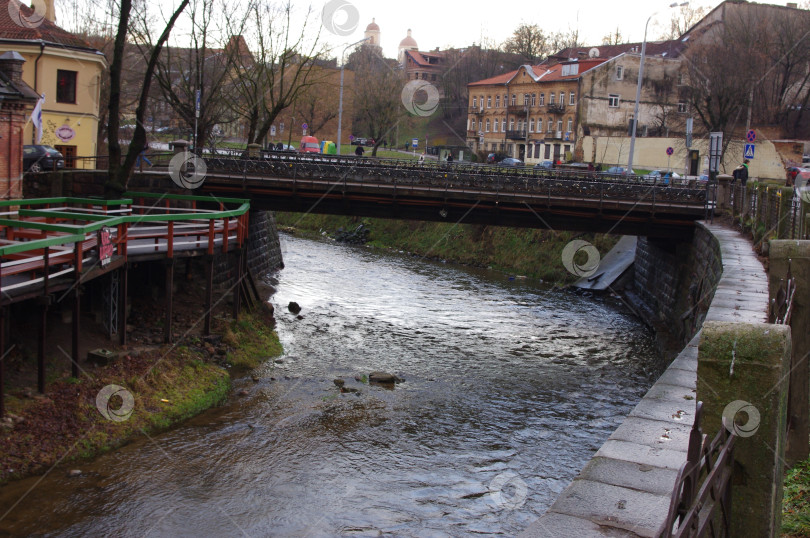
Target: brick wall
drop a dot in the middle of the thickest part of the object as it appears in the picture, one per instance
(12, 121)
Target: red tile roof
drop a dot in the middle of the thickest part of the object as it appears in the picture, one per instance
(542, 73)
(42, 31)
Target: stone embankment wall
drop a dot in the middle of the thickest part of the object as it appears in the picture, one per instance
(675, 282)
(263, 248)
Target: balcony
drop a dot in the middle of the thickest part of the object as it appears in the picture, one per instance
(476, 110)
(516, 109)
(556, 109)
(516, 135)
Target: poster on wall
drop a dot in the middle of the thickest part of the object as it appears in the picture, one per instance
(65, 133)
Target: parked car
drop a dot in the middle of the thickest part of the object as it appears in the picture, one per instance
(619, 171)
(792, 171)
(544, 165)
(511, 161)
(309, 144)
(37, 158)
(358, 141)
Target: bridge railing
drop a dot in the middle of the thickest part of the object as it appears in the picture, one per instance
(402, 174)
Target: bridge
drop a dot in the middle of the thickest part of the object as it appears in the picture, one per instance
(459, 192)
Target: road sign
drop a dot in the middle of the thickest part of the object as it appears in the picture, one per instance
(351, 138)
(749, 151)
(415, 142)
(715, 150)
(304, 126)
(751, 136)
(689, 123)
(670, 151)
(272, 130)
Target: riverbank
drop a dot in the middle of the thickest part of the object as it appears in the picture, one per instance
(533, 253)
(164, 385)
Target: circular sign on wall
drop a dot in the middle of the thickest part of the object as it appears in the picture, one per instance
(670, 151)
(65, 133)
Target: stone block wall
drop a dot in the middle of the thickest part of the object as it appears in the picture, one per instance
(675, 282)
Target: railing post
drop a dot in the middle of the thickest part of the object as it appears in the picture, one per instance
(741, 381)
(795, 255)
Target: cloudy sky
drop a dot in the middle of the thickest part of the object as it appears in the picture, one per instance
(455, 23)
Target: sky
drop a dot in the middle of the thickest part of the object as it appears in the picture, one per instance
(455, 23)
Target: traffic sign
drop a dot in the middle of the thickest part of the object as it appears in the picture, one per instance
(749, 151)
(415, 142)
(272, 130)
(304, 126)
(670, 151)
(715, 150)
(751, 136)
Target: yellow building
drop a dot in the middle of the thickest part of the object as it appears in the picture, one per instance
(63, 67)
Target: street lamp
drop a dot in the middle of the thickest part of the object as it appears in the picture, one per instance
(340, 102)
(638, 85)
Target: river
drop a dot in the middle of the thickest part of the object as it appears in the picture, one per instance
(507, 390)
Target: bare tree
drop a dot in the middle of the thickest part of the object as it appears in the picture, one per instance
(529, 41)
(613, 38)
(285, 63)
(378, 88)
(682, 20)
(119, 173)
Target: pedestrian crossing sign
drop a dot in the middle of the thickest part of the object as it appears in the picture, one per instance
(749, 151)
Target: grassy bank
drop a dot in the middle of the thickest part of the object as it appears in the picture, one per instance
(167, 384)
(796, 501)
(532, 253)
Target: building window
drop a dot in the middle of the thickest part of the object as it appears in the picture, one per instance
(487, 127)
(562, 98)
(509, 149)
(613, 100)
(512, 124)
(682, 107)
(505, 100)
(521, 126)
(570, 123)
(489, 101)
(531, 125)
(534, 99)
(497, 101)
(572, 98)
(559, 125)
(525, 99)
(619, 72)
(539, 125)
(433, 77)
(514, 100)
(551, 99)
(65, 86)
(494, 126)
(680, 79)
(537, 151)
(542, 99)
(503, 125)
(474, 125)
(475, 102)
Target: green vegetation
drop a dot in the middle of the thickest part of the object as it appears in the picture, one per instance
(253, 341)
(530, 253)
(796, 501)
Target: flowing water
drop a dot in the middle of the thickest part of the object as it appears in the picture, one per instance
(508, 390)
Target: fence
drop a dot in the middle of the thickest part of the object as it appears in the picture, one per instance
(771, 211)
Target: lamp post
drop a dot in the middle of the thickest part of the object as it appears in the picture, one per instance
(638, 85)
(340, 101)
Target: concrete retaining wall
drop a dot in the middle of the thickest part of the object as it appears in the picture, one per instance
(625, 489)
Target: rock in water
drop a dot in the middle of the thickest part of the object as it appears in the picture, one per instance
(294, 307)
(339, 383)
(383, 377)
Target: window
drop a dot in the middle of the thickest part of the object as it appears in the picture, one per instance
(512, 124)
(619, 72)
(559, 125)
(613, 100)
(65, 86)
(572, 98)
(475, 102)
(539, 125)
(562, 98)
(494, 126)
(509, 149)
(433, 77)
(489, 101)
(550, 125)
(503, 125)
(497, 101)
(682, 107)
(470, 125)
(487, 128)
(537, 151)
(525, 99)
(680, 79)
(551, 99)
(474, 125)
(505, 100)
(531, 125)
(570, 124)
(520, 125)
(534, 99)
(514, 100)
(542, 99)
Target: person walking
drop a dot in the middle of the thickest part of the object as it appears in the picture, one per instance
(422, 158)
(142, 157)
(359, 151)
(741, 173)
